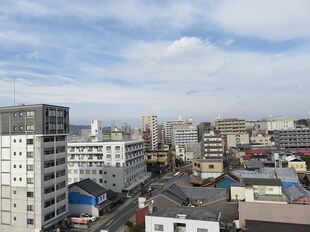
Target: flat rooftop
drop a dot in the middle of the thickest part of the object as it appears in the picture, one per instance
(267, 197)
(187, 213)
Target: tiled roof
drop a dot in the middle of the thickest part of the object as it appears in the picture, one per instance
(90, 186)
(295, 192)
(262, 181)
(284, 174)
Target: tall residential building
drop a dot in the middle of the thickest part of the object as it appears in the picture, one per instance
(150, 122)
(126, 129)
(96, 130)
(169, 131)
(161, 136)
(231, 127)
(204, 127)
(116, 165)
(211, 145)
(33, 153)
(272, 123)
(184, 134)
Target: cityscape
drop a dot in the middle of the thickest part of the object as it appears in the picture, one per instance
(149, 116)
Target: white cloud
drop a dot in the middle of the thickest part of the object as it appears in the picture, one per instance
(275, 20)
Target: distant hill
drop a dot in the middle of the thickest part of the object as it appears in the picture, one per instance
(304, 122)
(77, 128)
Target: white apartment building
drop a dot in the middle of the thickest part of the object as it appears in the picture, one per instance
(211, 145)
(272, 123)
(150, 122)
(169, 131)
(117, 165)
(33, 153)
(184, 134)
(182, 219)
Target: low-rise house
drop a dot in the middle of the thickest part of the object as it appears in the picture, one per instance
(265, 217)
(87, 196)
(185, 219)
(288, 176)
(296, 194)
(223, 181)
(205, 168)
(258, 190)
(298, 164)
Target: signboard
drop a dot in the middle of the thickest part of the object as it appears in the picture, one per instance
(79, 220)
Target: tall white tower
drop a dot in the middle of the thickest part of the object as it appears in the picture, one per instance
(96, 130)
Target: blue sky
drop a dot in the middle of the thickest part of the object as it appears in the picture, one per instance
(124, 59)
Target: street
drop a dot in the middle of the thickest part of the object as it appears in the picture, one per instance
(121, 217)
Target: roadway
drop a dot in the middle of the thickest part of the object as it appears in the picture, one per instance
(121, 217)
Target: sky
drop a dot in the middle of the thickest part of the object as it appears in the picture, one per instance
(119, 60)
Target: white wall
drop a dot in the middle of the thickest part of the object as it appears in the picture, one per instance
(168, 223)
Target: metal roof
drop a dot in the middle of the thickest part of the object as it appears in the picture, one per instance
(291, 213)
(90, 186)
(262, 181)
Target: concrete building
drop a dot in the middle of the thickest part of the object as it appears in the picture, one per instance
(184, 134)
(211, 145)
(232, 140)
(231, 127)
(96, 130)
(169, 131)
(116, 165)
(161, 137)
(182, 219)
(205, 168)
(202, 128)
(33, 153)
(150, 122)
(260, 139)
(272, 123)
(292, 139)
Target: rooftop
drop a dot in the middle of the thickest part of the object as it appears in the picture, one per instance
(262, 181)
(90, 186)
(188, 213)
(267, 197)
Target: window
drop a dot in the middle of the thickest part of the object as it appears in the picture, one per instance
(94, 172)
(49, 203)
(14, 178)
(211, 166)
(30, 221)
(118, 165)
(20, 153)
(29, 141)
(100, 171)
(14, 166)
(20, 114)
(61, 210)
(49, 216)
(81, 171)
(14, 140)
(113, 175)
(30, 113)
(20, 128)
(20, 166)
(29, 154)
(100, 181)
(20, 179)
(159, 227)
(14, 205)
(14, 218)
(75, 171)
(61, 197)
(202, 230)
(29, 180)
(14, 128)
(29, 194)
(114, 185)
(14, 153)
(20, 140)
(14, 191)
(49, 189)
(30, 127)
(30, 208)
(87, 171)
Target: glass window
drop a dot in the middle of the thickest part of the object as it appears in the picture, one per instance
(159, 227)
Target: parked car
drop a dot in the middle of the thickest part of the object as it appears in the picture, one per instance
(88, 216)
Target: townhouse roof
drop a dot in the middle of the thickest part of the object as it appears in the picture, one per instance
(253, 174)
(185, 213)
(295, 192)
(284, 174)
(283, 213)
(262, 181)
(254, 164)
(90, 187)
